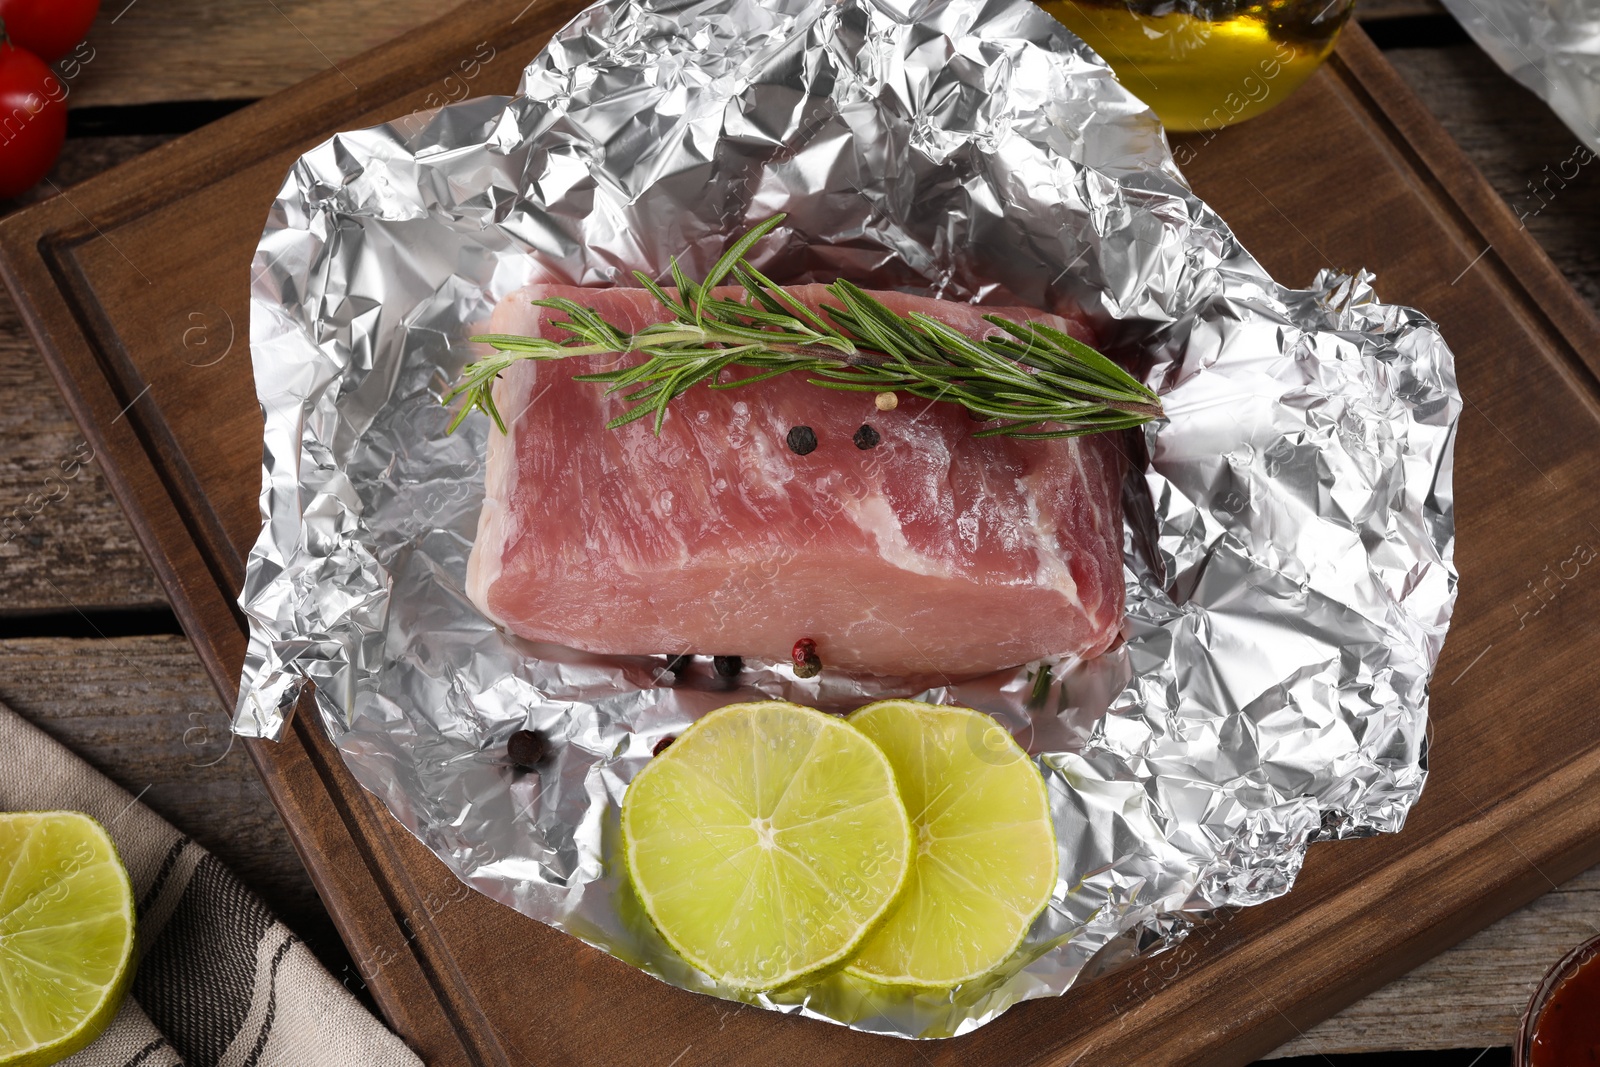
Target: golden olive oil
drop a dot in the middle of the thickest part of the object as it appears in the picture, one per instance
(1202, 66)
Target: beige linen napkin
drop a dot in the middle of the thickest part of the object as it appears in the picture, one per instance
(221, 982)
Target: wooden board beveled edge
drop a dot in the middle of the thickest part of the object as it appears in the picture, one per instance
(1434, 160)
(141, 492)
(155, 436)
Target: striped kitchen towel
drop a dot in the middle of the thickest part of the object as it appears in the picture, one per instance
(221, 982)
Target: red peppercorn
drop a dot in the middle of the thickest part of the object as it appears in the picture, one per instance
(661, 745)
(807, 664)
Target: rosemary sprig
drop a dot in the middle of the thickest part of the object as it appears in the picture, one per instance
(1034, 380)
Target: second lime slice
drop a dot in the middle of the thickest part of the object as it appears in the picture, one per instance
(766, 843)
(986, 848)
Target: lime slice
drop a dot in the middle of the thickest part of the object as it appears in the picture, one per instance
(766, 843)
(66, 935)
(986, 849)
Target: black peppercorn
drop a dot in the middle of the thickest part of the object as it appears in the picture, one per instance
(728, 666)
(866, 437)
(802, 440)
(527, 747)
(678, 664)
(661, 745)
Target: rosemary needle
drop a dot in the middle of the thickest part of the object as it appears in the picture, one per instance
(1036, 381)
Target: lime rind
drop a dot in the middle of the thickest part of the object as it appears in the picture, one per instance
(67, 935)
(767, 844)
(986, 864)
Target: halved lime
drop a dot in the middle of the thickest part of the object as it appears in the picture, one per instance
(986, 849)
(766, 843)
(66, 935)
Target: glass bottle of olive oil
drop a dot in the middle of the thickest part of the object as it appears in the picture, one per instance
(1205, 64)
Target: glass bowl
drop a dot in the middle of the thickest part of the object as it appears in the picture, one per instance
(1522, 1051)
(1206, 64)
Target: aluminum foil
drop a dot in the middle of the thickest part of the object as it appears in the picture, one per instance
(1288, 549)
(1550, 46)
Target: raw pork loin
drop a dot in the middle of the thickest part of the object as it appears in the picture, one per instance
(933, 554)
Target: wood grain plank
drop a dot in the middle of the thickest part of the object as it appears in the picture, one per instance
(143, 711)
(64, 543)
(158, 50)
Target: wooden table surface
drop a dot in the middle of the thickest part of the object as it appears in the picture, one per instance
(90, 652)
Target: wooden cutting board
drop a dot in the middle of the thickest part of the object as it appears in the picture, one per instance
(135, 286)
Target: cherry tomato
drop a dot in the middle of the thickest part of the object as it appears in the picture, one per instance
(33, 119)
(48, 28)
